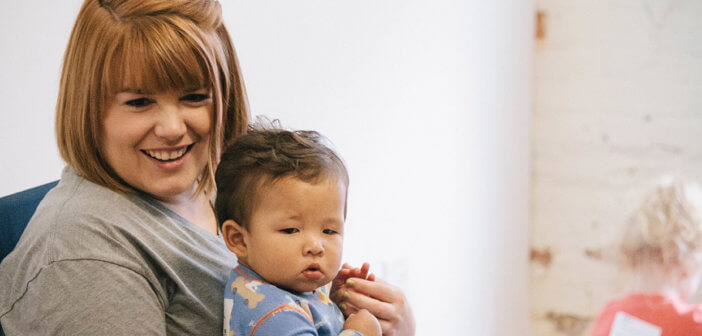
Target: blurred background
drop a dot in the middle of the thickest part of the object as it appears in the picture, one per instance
(617, 103)
(495, 147)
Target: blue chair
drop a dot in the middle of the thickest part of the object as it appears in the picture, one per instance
(15, 212)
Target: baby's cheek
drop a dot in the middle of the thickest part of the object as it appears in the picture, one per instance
(279, 256)
(270, 255)
(337, 254)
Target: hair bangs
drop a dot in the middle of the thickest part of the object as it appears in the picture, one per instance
(154, 57)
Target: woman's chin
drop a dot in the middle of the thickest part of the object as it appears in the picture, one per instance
(173, 192)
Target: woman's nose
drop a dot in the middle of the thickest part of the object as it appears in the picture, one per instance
(170, 124)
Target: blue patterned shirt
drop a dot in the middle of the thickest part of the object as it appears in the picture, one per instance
(253, 306)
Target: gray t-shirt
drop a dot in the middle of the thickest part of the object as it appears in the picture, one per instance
(96, 262)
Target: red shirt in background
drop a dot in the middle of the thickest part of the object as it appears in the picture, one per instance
(676, 318)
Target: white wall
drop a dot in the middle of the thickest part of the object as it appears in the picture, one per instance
(427, 101)
(33, 37)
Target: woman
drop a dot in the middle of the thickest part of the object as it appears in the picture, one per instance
(127, 242)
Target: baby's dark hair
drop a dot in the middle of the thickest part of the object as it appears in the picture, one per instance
(265, 154)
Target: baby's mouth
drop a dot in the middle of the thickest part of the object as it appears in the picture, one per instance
(167, 155)
(313, 272)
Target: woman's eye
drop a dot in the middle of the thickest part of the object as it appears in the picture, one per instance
(195, 97)
(329, 231)
(289, 230)
(140, 102)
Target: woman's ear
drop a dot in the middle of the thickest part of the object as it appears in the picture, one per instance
(234, 236)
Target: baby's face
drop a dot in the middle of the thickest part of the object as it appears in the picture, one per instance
(295, 236)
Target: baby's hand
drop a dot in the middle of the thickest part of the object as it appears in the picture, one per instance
(363, 322)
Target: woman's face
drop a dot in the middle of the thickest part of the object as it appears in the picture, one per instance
(158, 142)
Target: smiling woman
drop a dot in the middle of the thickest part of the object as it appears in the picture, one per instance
(150, 93)
(130, 50)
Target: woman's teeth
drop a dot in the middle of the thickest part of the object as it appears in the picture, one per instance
(166, 155)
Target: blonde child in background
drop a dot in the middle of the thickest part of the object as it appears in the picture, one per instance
(662, 246)
(281, 207)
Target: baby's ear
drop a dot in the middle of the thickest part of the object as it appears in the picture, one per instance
(234, 235)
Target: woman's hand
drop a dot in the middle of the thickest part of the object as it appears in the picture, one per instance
(354, 289)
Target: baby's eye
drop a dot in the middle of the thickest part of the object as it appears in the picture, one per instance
(139, 102)
(289, 230)
(195, 97)
(329, 231)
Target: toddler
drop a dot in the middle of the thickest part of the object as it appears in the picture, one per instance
(662, 245)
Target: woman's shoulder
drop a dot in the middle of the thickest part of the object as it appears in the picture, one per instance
(72, 222)
(79, 219)
(77, 206)
(69, 226)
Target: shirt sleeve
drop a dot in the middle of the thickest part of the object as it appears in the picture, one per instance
(86, 297)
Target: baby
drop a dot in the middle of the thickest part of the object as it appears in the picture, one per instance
(281, 207)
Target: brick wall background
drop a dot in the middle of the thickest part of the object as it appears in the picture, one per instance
(618, 102)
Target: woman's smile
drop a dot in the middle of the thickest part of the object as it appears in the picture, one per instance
(167, 155)
(168, 159)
